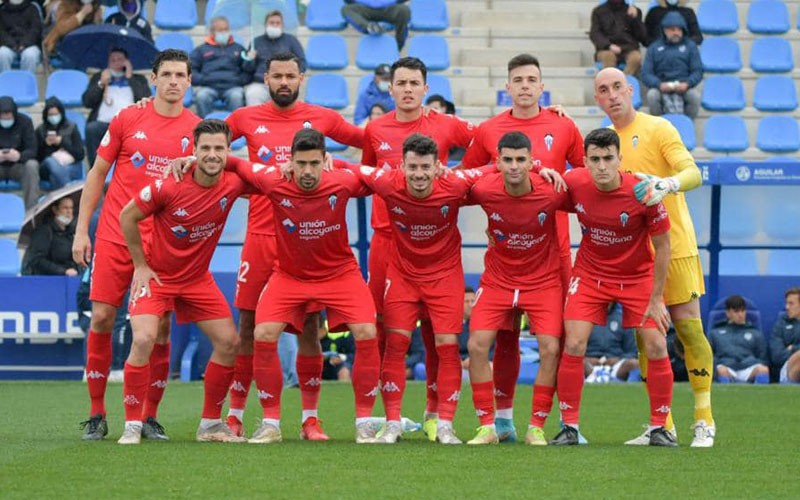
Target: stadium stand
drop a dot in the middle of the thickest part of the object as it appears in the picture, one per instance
(429, 15)
(239, 143)
(637, 90)
(20, 85)
(327, 89)
(333, 146)
(768, 17)
(775, 93)
(236, 226)
(12, 211)
(718, 17)
(376, 49)
(726, 134)
(723, 93)
(79, 119)
(68, 85)
(685, 127)
(432, 49)
(771, 55)
(325, 15)
(9, 258)
(439, 84)
(327, 52)
(778, 134)
(721, 55)
(717, 313)
(176, 15)
(177, 40)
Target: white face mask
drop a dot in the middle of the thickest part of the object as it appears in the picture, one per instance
(274, 32)
(672, 2)
(63, 220)
(116, 74)
(86, 2)
(54, 119)
(383, 85)
(221, 37)
(7, 123)
(15, 2)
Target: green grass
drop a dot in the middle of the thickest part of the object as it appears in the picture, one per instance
(41, 455)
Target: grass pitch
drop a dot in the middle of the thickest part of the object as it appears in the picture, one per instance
(41, 455)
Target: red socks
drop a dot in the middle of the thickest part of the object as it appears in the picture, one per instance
(394, 374)
(216, 384)
(309, 376)
(381, 338)
(366, 375)
(449, 380)
(506, 368)
(242, 378)
(98, 364)
(570, 386)
(269, 378)
(134, 391)
(159, 373)
(483, 400)
(542, 403)
(659, 389)
(431, 366)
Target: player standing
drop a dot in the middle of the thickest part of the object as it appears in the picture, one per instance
(140, 142)
(188, 219)
(269, 129)
(651, 145)
(615, 263)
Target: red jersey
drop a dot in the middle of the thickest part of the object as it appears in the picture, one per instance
(142, 143)
(313, 243)
(427, 240)
(270, 130)
(188, 219)
(525, 253)
(616, 229)
(383, 146)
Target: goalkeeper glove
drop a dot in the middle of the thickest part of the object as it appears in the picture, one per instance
(651, 189)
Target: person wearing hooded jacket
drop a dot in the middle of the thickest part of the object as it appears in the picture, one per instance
(656, 14)
(130, 16)
(672, 70)
(20, 35)
(50, 250)
(18, 150)
(59, 145)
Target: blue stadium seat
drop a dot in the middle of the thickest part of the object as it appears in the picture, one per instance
(376, 49)
(327, 89)
(363, 83)
(778, 134)
(717, 17)
(209, 13)
(226, 259)
(781, 216)
(637, 91)
(439, 84)
(685, 127)
(79, 119)
(717, 313)
(723, 93)
(738, 263)
(176, 15)
(432, 49)
(326, 52)
(68, 85)
(236, 226)
(721, 55)
(783, 263)
(775, 93)
(771, 55)
(333, 146)
(428, 15)
(12, 211)
(768, 17)
(222, 115)
(606, 121)
(725, 134)
(180, 41)
(739, 220)
(9, 258)
(325, 15)
(21, 86)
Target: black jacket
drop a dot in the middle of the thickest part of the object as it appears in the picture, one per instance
(737, 346)
(785, 333)
(93, 95)
(70, 136)
(50, 251)
(653, 22)
(611, 24)
(19, 136)
(137, 23)
(20, 25)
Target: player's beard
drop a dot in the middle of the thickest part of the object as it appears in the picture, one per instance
(283, 100)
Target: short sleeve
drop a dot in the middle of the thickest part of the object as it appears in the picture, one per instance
(368, 156)
(154, 196)
(657, 219)
(111, 143)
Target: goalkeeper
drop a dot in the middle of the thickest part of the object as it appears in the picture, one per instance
(652, 149)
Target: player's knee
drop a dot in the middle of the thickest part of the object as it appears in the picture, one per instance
(574, 347)
(266, 333)
(478, 347)
(227, 346)
(363, 331)
(549, 351)
(142, 345)
(656, 348)
(103, 316)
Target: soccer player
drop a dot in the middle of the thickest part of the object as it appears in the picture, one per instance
(555, 142)
(522, 273)
(188, 219)
(269, 129)
(652, 147)
(140, 142)
(615, 263)
(383, 148)
(315, 264)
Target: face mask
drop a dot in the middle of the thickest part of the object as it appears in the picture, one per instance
(383, 86)
(672, 2)
(222, 37)
(86, 2)
(116, 74)
(63, 220)
(7, 123)
(54, 119)
(15, 2)
(274, 32)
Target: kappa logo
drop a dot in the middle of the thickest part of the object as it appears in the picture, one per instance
(314, 382)
(623, 218)
(238, 386)
(541, 414)
(285, 203)
(130, 400)
(496, 217)
(181, 212)
(289, 225)
(264, 395)
(500, 394)
(184, 143)
(699, 373)
(385, 146)
(390, 387)
(433, 387)
(564, 406)
(140, 135)
(258, 167)
(179, 231)
(454, 397)
(332, 201)
(137, 159)
(542, 216)
(161, 384)
(158, 183)
(579, 208)
(94, 374)
(398, 211)
(261, 129)
(373, 393)
(481, 413)
(548, 141)
(663, 409)
(573, 285)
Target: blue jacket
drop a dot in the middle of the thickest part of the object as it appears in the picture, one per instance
(785, 333)
(376, 4)
(370, 97)
(611, 340)
(218, 67)
(737, 346)
(668, 62)
(266, 48)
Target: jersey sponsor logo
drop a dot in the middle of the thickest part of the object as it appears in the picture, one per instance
(635, 141)
(286, 203)
(315, 229)
(161, 384)
(606, 237)
(289, 225)
(258, 167)
(179, 231)
(314, 382)
(390, 387)
(264, 395)
(130, 400)
(261, 129)
(140, 135)
(496, 217)
(623, 218)
(548, 141)
(385, 146)
(94, 374)
(332, 201)
(137, 159)
(307, 124)
(223, 203)
(402, 227)
(264, 153)
(181, 212)
(542, 216)
(499, 235)
(398, 210)
(106, 139)
(146, 194)
(662, 214)
(444, 210)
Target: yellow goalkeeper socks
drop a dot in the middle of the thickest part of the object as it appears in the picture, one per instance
(699, 364)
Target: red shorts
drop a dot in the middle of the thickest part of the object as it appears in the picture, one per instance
(495, 307)
(287, 300)
(199, 300)
(257, 263)
(588, 299)
(380, 250)
(404, 299)
(112, 272)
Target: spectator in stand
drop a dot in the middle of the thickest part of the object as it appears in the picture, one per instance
(130, 16)
(376, 111)
(20, 35)
(441, 105)
(616, 35)
(366, 16)
(416, 355)
(108, 92)
(339, 350)
(611, 351)
(70, 15)
(377, 92)
(50, 250)
(672, 70)
(654, 16)
(740, 351)
(463, 339)
(220, 69)
(18, 150)
(784, 344)
(59, 145)
(273, 41)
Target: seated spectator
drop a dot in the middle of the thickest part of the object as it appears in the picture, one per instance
(18, 150)
(59, 145)
(108, 92)
(611, 351)
(740, 351)
(50, 250)
(376, 111)
(677, 356)
(20, 35)
(338, 351)
(441, 105)
(784, 344)
(672, 69)
(616, 35)
(377, 92)
(70, 15)
(220, 68)
(654, 16)
(273, 41)
(130, 16)
(365, 16)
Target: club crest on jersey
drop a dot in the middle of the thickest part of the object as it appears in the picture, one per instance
(542, 216)
(499, 235)
(146, 194)
(106, 139)
(306, 124)
(264, 153)
(137, 159)
(635, 140)
(548, 141)
(401, 226)
(444, 210)
(179, 231)
(184, 143)
(332, 201)
(223, 203)
(289, 225)
(623, 218)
